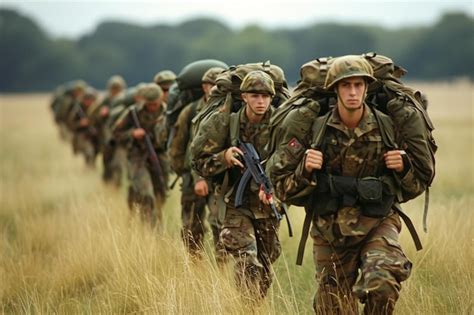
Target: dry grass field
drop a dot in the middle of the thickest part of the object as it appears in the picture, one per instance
(68, 246)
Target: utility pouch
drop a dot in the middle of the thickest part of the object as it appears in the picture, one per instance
(370, 190)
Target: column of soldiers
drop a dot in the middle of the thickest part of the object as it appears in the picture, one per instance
(357, 255)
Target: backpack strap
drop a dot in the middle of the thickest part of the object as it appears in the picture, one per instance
(319, 129)
(234, 128)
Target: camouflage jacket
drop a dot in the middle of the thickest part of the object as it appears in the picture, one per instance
(179, 150)
(74, 117)
(210, 144)
(153, 123)
(355, 153)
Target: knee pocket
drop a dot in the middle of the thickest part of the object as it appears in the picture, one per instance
(383, 268)
(234, 236)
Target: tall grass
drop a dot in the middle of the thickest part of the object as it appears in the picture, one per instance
(68, 244)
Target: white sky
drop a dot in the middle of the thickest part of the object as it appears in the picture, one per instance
(74, 18)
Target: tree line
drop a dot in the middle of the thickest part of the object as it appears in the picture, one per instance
(33, 61)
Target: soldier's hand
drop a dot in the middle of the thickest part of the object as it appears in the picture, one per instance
(231, 157)
(394, 160)
(313, 160)
(201, 189)
(84, 122)
(138, 133)
(104, 112)
(263, 197)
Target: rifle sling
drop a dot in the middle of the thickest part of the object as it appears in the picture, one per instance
(304, 235)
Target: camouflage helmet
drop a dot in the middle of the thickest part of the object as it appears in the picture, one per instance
(210, 75)
(116, 81)
(165, 77)
(140, 88)
(80, 85)
(90, 92)
(347, 67)
(151, 92)
(257, 82)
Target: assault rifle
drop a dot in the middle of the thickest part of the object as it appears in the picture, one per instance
(254, 169)
(82, 115)
(155, 162)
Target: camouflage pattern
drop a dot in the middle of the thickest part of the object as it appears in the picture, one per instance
(257, 82)
(210, 75)
(346, 240)
(143, 191)
(151, 92)
(346, 67)
(249, 233)
(255, 246)
(193, 206)
(113, 155)
(84, 138)
(63, 103)
(116, 81)
(166, 77)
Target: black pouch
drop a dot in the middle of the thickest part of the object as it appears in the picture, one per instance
(373, 200)
(370, 190)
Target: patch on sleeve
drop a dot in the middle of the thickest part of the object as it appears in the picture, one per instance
(294, 144)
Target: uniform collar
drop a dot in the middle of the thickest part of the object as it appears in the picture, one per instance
(366, 124)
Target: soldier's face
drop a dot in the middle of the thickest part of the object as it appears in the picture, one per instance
(88, 101)
(257, 103)
(153, 106)
(206, 87)
(115, 90)
(351, 93)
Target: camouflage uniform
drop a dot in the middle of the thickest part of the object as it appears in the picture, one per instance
(84, 137)
(145, 192)
(193, 206)
(113, 155)
(347, 243)
(165, 79)
(63, 104)
(248, 233)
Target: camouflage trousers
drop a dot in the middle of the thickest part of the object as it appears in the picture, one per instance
(143, 192)
(254, 244)
(85, 145)
(193, 216)
(114, 159)
(369, 265)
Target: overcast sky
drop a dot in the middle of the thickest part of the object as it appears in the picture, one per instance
(75, 18)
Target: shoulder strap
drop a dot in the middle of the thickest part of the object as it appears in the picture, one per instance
(234, 128)
(319, 129)
(386, 128)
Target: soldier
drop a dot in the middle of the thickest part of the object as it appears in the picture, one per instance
(165, 79)
(84, 134)
(346, 176)
(62, 106)
(249, 233)
(194, 189)
(113, 156)
(139, 127)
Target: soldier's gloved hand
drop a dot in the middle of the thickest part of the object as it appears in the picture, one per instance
(201, 189)
(313, 160)
(394, 160)
(104, 112)
(84, 122)
(231, 157)
(138, 133)
(263, 197)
